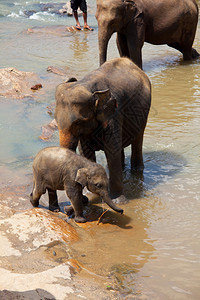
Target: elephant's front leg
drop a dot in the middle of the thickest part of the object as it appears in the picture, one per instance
(113, 151)
(74, 192)
(114, 160)
(135, 35)
(122, 45)
(115, 176)
(69, 208)
(85, 149)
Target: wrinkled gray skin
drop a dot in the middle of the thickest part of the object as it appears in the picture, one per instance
(106, 110)
(56, 168)
(171, 22)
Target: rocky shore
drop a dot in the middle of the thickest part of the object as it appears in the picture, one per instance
(36, 259)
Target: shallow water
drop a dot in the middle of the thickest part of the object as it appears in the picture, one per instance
(153, 250)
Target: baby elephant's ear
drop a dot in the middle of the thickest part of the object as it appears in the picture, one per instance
(81, 176)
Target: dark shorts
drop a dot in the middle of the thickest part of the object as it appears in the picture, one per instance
(79, 3)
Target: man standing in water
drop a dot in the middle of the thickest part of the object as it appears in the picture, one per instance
(83, 6)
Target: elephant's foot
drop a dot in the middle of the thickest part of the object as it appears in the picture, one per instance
(68, 210)
(79, 219)
(138, 169)
(35, 203)
(85, 200)
(195, 54)
(119, 199)
(189, 55)
(137, 165)
(54, 208)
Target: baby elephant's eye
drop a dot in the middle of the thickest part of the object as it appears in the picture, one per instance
(98, 185)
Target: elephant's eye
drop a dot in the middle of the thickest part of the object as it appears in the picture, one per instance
(98, 185)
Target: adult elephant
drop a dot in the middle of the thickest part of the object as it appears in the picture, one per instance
(106, 110)
(171, 22)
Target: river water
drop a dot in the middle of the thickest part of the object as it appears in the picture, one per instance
(153, 251)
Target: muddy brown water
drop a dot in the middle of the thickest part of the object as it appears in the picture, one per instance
(153, 250)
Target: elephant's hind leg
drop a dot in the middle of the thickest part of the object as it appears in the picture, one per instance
(188, 52)
(176, 46)
(53, 200)
(136, 156)
(35, 195)
(188, 37)
(195, 54)
(34, 200)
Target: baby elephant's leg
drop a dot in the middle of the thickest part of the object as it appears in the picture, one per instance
(53, 200)
(69, 208)
(78, 210)
(35, 196)
(75, 195)
(85, 200)
(34, 200)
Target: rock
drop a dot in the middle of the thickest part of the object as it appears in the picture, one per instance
(17, 84)
(124, 275)
(59, 30)
(56, 70)
(30, 237)
(65, 71)
(28, 13)
(37, 294)
(36, 87)
(48, 130)
(51, 108)
(53, 8)
(62, 9)
(32, 229)
(67, 9)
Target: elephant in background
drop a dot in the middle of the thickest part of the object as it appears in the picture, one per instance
(106, 110)
(171, 22)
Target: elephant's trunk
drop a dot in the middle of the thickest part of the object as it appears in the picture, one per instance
(110, 203)
(103, 38)
(67, 140)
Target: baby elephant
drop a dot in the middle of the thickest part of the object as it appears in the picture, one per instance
(56, 168)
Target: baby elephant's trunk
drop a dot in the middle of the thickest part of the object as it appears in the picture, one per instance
(108, 201)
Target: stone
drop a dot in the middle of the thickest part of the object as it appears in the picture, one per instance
(48, 130)
(59, 30)
(67, 9)
(17, 84)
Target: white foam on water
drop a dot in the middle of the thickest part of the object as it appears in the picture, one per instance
(41, 16)
(13, 15)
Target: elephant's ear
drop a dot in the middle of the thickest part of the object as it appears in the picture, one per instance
(81, 176)
(105, 105)
(100, 97)
(131, 10)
